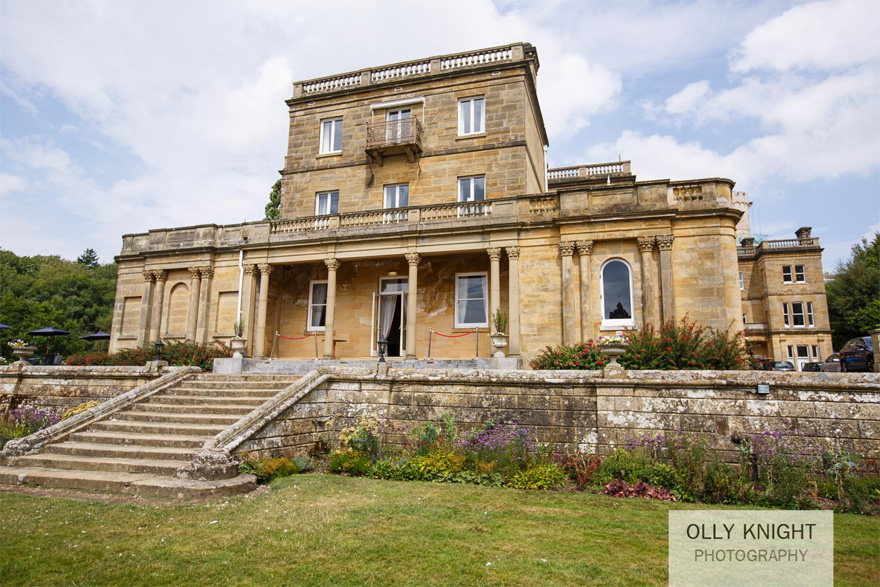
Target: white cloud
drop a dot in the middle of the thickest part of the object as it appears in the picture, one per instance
(687, 99)
(11, 183)
(818, 36)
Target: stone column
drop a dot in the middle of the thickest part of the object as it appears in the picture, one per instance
(494, 282)
(667, 290)
(262, 311)
(513, 301)
(146, 305)
(412, 303)
(203, 329)
(569, 332)
(585, 252)
(156, 314)
(248, 297)
(330, 321)
(646, 248)
(192, 314)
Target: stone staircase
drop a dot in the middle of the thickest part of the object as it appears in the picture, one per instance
(138, 450)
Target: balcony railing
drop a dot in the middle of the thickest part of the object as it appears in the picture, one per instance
(781, 245)
(394, 138)
(595, 171)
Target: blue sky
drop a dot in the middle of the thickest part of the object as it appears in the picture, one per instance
(118, 117)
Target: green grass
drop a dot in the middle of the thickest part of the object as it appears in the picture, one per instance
(332, 530)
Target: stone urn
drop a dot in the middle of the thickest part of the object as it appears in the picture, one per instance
(499, 341)
(238, 345)
(612, 350)
(24, 353)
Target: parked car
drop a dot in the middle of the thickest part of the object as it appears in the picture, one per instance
(831, 364)
(857, 355)
(780, 366)
(811, 367)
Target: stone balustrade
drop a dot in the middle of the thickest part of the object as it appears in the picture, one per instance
(596, 170)
(410, 69)
(780, 245)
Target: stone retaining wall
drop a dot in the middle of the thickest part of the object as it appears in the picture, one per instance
(66, 387)
(585, 411)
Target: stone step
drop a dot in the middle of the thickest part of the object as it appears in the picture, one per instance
(231, 409)
(172, 418)
(210, 392)
(206, 430)
(241, 385)
(245, 377)
(128, 483)
(119, 451)
(133, 439)
(251, 402)
(164, 467)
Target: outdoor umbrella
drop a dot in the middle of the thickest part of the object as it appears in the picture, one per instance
(47, 332)
(2, 326)
(96, 336)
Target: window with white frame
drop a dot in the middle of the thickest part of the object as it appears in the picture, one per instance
(471, 300)
(786, 274)
(616, 287)
(317, 305)
(786, 318)
(396, 196)
(472, 189)
(800, 274)
(331, 135)
(471, 116)
(742, 280)
(745, 319)
(797, 315)
(326, 203)
(815, 349)
(810, 314)
(791, 353)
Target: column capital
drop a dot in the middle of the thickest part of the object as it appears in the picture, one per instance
(195, 273)
(566, 248)
(512, 252)
(585, 247)
(332, 264)
(148, 275)
(265, 268)
(160, 275)
(207, 272)
(646, 243)
(249, 268)
(664, 242)
(413, 259)
(494, 253)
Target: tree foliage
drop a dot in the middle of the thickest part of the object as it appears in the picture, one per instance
(273, 208)
(854, 295)
(43, 291)
(89, 258)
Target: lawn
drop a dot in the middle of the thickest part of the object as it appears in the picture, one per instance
(331, 530)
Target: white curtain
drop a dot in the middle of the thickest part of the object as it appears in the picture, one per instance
(388, 305)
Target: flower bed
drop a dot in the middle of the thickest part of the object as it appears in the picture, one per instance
(178, 354)
(25, 420)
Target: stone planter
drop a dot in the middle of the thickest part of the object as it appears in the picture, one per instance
(24, 353)
(238, 345)
(613, 350)
(499, 341)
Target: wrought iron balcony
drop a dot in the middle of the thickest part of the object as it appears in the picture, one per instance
(396, 137)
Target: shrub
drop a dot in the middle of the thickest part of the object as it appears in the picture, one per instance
(620, 488)
(349, 462)
(400, 469)
(439, 465)
(684, 345)
(581, 468)
(539, 476)
(80, 409)
(304, 463)
(178, 354)
(578, 356)
(25, 420)
(363, 438)
(267, 469)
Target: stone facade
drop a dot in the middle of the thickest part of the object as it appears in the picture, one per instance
(783, 299)
(578, 410)
(415, 203)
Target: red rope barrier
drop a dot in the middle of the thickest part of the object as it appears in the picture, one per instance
(453, 335)
(295, 338)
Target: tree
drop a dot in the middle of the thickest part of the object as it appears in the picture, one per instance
(89, 258)
(273, 208)
(854, 295)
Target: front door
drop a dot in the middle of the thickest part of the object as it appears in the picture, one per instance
(398, 128)
(391, 315)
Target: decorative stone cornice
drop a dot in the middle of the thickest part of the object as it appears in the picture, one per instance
(413, 259)
(265, 268)
(512, 252)
(160, 275)
(332, 264)
(664, 242)
(249, 268)
(195, 273)
(207, 272)
(646, 243)
(494, 253)
(585, 247)
(566, 248)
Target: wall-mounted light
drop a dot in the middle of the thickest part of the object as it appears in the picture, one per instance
(392, 274)
(763, 388)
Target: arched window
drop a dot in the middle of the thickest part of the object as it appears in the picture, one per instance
(617, 304)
